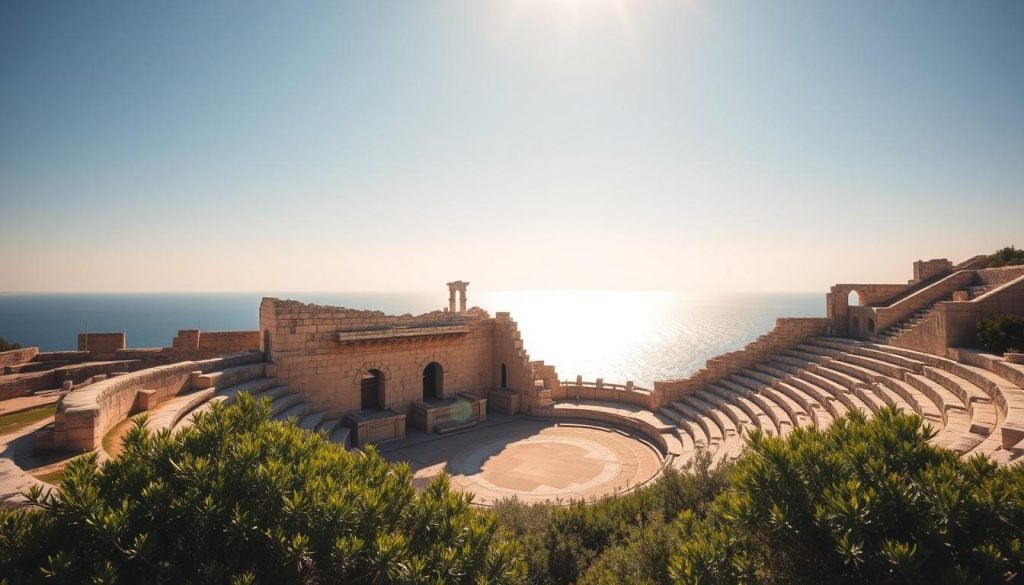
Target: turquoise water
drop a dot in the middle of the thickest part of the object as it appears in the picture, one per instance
(617, 335)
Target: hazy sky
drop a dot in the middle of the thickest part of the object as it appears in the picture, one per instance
(543, 144)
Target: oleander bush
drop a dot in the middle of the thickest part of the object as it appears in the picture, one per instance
(240, 499)
(867, 501)
(1001, 333)
(623, 539)
(1008, 256)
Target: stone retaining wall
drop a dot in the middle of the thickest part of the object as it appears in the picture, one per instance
(193, 343)
(16, 357)
(788, 333)
(85, 415)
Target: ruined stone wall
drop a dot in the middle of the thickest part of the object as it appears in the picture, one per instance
(311, 360)
(998, 276)
(938, 291)
(102, 345)
(16, 357)
(509, 350)
(960, 319)
(195, 344)
(926, 269)
(788, 333)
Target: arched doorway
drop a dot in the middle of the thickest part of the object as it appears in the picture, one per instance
(871, 325)
(433, 381)
(504, 377)
(372, 390)
(855, 324)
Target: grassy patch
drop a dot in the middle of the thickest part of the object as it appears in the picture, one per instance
(112, 440)
(15, 420)
(53, 477)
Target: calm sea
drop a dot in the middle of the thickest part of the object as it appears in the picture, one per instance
(617, 335)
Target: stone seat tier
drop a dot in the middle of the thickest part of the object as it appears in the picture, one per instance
(983, 414)
(295, 411)
(840, 393)
(731, 436)
(762, 384)
(341, 435)
(736, 395)
(819, 413)
(745, 396)
(168, 413)
(282, 403)
(311, 420)
(700, 429)
(725, 426)
(892, 399)
(190, 419)
(254, 387)
(229, 376)
(713, 401)
(860, 348)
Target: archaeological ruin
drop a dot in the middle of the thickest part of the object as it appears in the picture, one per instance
(454, 390)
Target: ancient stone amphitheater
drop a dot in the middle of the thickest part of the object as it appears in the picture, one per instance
(362, 377)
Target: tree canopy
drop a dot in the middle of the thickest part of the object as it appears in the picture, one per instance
(867, 501)
(240, 499)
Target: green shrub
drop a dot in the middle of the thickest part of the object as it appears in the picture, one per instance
(240, 499)
(617, 539)
(8, 346)
(868, 501)
(1001, 333)
(1008, 256)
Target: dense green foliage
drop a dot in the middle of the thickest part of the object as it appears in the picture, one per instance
(1008, 256)
(624, 539)
(7, 345)
(238, 498)
(868, 501)
(1002, 333)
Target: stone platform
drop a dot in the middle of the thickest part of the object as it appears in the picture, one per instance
(533, 460)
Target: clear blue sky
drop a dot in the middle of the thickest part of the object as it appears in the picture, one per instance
(543, 144)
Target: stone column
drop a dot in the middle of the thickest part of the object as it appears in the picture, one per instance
(451, 297)
(462, 297)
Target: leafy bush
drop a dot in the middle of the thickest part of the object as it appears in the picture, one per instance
(1001, 333)
(8, 346)
(628, 538)
(1008, 256)
(240, 499)
(868, 501)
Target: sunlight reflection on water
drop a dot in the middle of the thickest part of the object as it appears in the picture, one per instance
(641, 336)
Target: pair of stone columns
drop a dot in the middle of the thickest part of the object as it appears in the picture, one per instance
(460, 287)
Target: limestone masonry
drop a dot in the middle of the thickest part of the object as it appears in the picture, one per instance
(360, 377)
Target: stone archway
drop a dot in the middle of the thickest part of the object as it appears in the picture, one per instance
(371, 390)
(433, 381)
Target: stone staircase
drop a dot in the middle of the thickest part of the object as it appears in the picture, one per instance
(892, 332)
(971, 408)
(223, 386)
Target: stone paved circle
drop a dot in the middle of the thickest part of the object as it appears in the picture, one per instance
(535, 461)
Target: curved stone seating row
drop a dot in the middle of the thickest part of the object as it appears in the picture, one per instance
(974, 405)
(284, 405)
(655, 427)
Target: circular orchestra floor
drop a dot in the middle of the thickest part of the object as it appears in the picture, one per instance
(532, 460)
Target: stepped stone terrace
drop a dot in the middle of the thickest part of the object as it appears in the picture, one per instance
(455, 391)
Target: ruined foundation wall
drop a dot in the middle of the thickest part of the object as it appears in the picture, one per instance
(102, 345)
(16, 357)
(196, 344)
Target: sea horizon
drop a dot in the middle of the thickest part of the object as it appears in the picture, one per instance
(617, 335)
